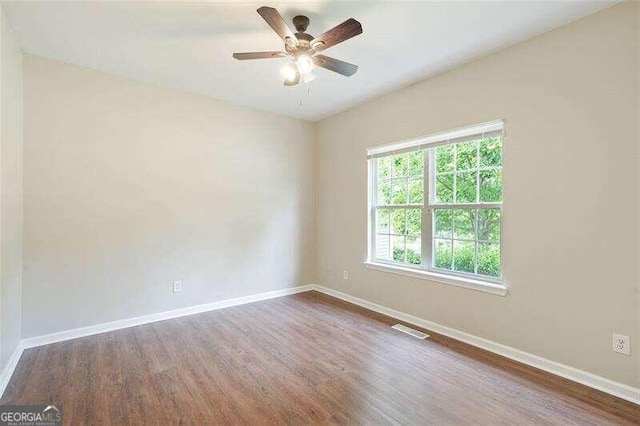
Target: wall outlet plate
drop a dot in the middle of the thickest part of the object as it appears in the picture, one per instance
(345, 275)
(621, 344)
(177, 286)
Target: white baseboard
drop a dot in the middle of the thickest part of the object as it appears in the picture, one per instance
(75, 333)
(620, 390)
(8, 370)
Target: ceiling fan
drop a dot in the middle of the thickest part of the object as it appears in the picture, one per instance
(303, 48)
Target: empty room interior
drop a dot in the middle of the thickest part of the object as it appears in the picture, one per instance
(320, 212)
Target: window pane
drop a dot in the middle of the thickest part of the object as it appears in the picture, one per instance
(382, 246)
(442, 254)
(384, 192)
(414, 250)
(398, 221)
(490, 185)
(416, 191)
(399, 191)
(414, 220)
(444, 159)
(466, 187)
(443, 223)
(489, 259)
(489, 225)
(416, 163)
(467, 156)
(397, 244)
(491, 152)
(399, 165)
(463, 256)
(384, 168)
(463, 239)
(444, 188)
(464, 224)
(382, 220)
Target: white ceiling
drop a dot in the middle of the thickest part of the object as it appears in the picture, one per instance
(189, 45)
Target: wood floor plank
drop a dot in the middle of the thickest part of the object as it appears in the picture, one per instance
(307, 358)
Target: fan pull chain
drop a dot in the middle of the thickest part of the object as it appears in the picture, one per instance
(302, 98)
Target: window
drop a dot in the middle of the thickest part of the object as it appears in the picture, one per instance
(436, 203)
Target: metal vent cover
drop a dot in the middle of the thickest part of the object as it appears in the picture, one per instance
(410, 331)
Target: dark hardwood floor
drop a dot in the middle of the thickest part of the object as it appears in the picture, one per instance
(307, 358)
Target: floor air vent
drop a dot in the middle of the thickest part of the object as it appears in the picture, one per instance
(410, 331)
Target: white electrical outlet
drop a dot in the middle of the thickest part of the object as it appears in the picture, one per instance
(622, 344)
(345, 275)
(177, 286)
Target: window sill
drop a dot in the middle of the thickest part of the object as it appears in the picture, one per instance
(485, 286)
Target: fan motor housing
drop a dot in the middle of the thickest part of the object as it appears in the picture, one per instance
(302, 46)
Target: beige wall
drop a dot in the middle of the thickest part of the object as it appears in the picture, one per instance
(637, 339)
(130, 186)
(11, 126)
(569, 98)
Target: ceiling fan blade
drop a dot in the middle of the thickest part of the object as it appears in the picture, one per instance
(275, 21)
(258, 55)
(346, 30)
(335, 65)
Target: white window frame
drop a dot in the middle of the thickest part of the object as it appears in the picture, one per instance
(494, 285)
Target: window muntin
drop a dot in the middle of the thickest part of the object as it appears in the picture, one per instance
(398, 208)
(468, 172)
(440, 208)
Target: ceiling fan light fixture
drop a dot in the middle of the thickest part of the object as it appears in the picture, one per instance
(289, 71)
(317, 45)
(290, 41)
(305, 64)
